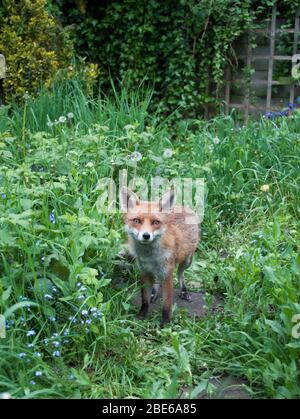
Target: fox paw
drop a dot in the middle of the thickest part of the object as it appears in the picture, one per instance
(184, 295)
(142, 313)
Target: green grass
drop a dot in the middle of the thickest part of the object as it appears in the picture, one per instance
(51, 174)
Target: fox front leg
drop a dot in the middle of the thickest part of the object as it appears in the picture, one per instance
(147, 284)
(167, 291)
(184, 295)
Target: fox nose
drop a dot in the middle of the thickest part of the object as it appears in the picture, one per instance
(146, 236)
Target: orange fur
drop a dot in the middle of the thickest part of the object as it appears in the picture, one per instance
(173, 239)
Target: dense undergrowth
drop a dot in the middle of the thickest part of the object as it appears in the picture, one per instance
(71, 328)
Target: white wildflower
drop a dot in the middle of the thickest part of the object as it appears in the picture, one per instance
(62, 119)
(70, 115)
(168, 152)
(216, 140)
(135, 156)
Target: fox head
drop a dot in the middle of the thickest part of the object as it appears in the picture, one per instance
(145, 221)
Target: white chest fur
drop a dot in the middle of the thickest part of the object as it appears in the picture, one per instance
(152, 259)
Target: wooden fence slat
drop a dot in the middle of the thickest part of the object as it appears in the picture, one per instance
(2, 77)
(295, 48)
(271, 59)
(227, 90)
(280, 30)
(252, 107)
(262, 82)
(207, 89)
(267, 57)
(248, 90)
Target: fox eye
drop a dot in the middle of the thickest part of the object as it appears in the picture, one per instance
(136, 221)
(155, 222)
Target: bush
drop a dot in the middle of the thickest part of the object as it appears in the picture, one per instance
(34, 44)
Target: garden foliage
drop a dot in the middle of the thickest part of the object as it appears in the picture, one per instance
(179, 47)
(71, 327)
(34, 44)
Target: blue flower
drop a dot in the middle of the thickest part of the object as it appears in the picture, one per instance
(298, 99)
(3, 195)
(22, 355)
(56, 344)
(32, 382)
(56, 354)
(81, 297)
(72, 319)
(48, 297)
(97, 314)
(292, 105)
(38, 373)
(30, 345)
(52, 319)
(31, 333)
(9, 323)
(38, 354)
(269, 115)
(84, 312)
(282, 113)
(52, 217)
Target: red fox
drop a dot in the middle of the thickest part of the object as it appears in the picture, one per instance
(160, 236)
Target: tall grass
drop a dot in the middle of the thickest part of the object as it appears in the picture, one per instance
(71, 96)
(71, 325)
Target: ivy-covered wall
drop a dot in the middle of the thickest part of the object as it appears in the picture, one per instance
(174, 45)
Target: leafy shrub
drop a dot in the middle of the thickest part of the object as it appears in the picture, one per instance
(34, 44)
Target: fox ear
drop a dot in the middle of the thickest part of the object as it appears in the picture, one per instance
(167, 202)
(128, 199)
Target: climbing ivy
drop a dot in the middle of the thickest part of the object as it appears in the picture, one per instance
(177, 47)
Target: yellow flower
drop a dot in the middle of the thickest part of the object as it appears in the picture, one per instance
(265, 188)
